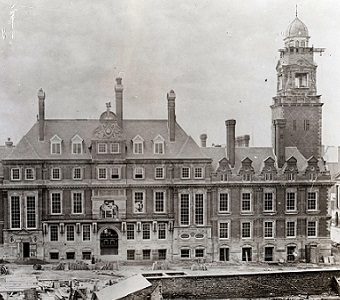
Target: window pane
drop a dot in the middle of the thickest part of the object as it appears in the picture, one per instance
(86, 232)
(55, 203)
(185, 172)
(15, 212)
(130, 231)
(139, 202)
(146, 228)
(268, 202)
(290, 201)
(70, 232)
(161, 231)
(246, 230)
(159, 202)
(311, 201)
(199, 217)
(77, 203)
(184, 209)
(54, 233)
(224, 202)
(246, 202)
(31, 212)
(224, 230)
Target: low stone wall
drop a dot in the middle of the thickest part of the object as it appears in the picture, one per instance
(255, 285)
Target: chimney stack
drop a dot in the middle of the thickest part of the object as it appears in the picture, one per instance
(203, 138)
(171, 96)
(230, 124)
(243, 141)
(9, 143)
(41, 97)
(119, 101)
(279, 125)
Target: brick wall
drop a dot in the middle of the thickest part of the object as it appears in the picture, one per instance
(257, 285)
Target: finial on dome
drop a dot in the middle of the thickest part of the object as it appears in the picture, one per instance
(108, 106)
(296, 13)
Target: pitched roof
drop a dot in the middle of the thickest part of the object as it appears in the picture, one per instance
(30, 148)
(258, 155)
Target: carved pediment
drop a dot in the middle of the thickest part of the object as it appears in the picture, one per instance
(107, 131)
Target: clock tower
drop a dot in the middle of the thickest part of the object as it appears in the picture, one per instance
(297, 108)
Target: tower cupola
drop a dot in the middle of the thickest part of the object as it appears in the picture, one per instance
(296, 34)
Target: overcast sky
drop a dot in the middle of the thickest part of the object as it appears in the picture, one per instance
(218, 56)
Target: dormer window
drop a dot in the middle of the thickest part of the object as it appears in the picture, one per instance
(55, 144)
(114, 147)
(159, 145)
(291, 176)
(268, 176)
(246, 177)
(138, 145)
(102, 148)
(77, 144)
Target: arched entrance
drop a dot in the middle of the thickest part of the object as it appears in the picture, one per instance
(109, 242)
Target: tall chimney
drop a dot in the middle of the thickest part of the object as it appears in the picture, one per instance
(119, 101)
(279, 125)
(230, 124)
(203, 138)
(9, 143)
(171, 96)
(41, 97)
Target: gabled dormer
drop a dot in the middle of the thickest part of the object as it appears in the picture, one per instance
(312, 168)
(77, 145)
(246, 170)
(55, 144)
(290, 168)
(158, 145)
(268, 169)
(138, 144)
(223, 170)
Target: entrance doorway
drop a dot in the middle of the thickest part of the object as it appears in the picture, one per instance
(26, 250)
(109, 242)
(291, 253)
(246, 254)
(268, 253)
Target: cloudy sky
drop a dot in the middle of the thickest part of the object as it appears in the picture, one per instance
(218, 56)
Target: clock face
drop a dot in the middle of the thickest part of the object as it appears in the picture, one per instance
(269, 168)
(312, 168)
(291, 168)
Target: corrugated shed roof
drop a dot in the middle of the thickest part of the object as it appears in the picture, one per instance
(123, 288)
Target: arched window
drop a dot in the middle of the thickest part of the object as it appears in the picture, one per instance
(297, 44)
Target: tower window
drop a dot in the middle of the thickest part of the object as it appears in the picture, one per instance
(301, 80)
(306, 125)
(294, 124)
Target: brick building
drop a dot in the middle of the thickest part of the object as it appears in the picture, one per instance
(144, 190)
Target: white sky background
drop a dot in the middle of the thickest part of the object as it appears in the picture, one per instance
(218, 56)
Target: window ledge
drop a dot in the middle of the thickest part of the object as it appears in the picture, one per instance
(295, 212)
(250, 213)
(270, 213)
(313, 212)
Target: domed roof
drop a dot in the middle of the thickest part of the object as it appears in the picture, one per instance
(297, 28)
(107, 116)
